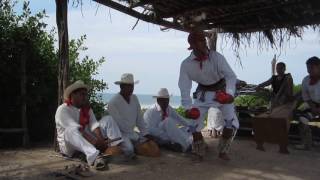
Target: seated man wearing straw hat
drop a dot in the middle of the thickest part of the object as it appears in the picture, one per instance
(125, 109)
(78, 129)
(163, 121)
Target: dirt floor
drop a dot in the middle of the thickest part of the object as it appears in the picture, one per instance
(246, 163)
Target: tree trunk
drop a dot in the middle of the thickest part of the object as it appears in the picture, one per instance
(63, 72)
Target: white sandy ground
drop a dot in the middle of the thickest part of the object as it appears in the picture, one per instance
(246, 163)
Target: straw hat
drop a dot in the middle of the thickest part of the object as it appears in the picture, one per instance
(162, 93)
(76, 85)
(126, 78)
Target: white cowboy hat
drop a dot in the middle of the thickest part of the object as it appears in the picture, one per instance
(76, 85)
(162, 93)
(126, 78)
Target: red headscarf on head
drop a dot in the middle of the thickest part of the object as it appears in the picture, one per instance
(84, 114)
(192, 37)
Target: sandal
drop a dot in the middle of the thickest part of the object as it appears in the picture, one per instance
(101, 162)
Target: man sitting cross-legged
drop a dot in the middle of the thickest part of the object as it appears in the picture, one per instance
(162, 122)
(78, 129)
(125, 109)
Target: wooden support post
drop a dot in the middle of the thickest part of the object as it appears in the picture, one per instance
(63, 72)
(62, 24)
(212, 40)
(23, 81)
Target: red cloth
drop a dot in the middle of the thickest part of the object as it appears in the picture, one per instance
(164, 115)
(193, 113)
(84, 115)
(201, 59)
(313, 81)
(223, 97)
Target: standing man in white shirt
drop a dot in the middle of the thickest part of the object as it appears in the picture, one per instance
(163, 121)
(125, 109)
(216, 88)
(78, 129)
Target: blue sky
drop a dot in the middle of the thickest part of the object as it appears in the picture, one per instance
(154, 56)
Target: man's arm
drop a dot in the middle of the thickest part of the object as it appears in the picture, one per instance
(289, 82)
(152, 124)
(185, 85)
(264, 84)
(64, 119)
(179, 118)
(140, 122)
(229, 76)
(306, 97)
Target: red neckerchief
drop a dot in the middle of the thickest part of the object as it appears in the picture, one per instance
(201, 59)
(313, 80)
(164, 115)
(84, 115)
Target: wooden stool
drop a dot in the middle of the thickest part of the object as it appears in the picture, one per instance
(273, 127)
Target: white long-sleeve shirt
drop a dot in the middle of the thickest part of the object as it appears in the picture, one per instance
(310, 92)
(153, 119)
(69, 117)
(127, 116)
(213, 70)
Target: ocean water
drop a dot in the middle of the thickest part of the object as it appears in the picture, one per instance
(145, 100)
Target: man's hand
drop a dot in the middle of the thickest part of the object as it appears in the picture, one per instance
(193, 113)
(101, 144)
(224, 98)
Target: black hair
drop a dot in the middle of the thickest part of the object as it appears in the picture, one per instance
(313, 61)
(281, 64)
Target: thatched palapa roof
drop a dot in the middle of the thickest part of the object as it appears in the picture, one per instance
(271, 19)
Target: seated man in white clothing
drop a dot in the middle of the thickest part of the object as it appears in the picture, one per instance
(78, 129)
(311, 97)
(162, 122)
(125, 109)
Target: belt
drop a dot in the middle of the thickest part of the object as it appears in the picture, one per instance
(220, 85)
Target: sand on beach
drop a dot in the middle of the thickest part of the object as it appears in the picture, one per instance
(246, 163)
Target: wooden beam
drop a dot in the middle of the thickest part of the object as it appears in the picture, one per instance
(141, 3)
(136, 14)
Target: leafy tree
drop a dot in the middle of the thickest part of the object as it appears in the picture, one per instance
(85, 69)
(25, 35)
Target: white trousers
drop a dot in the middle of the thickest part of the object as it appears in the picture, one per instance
(173, 133)
(129, 142)
(74, 141)
(228, 111)
(215, 120)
